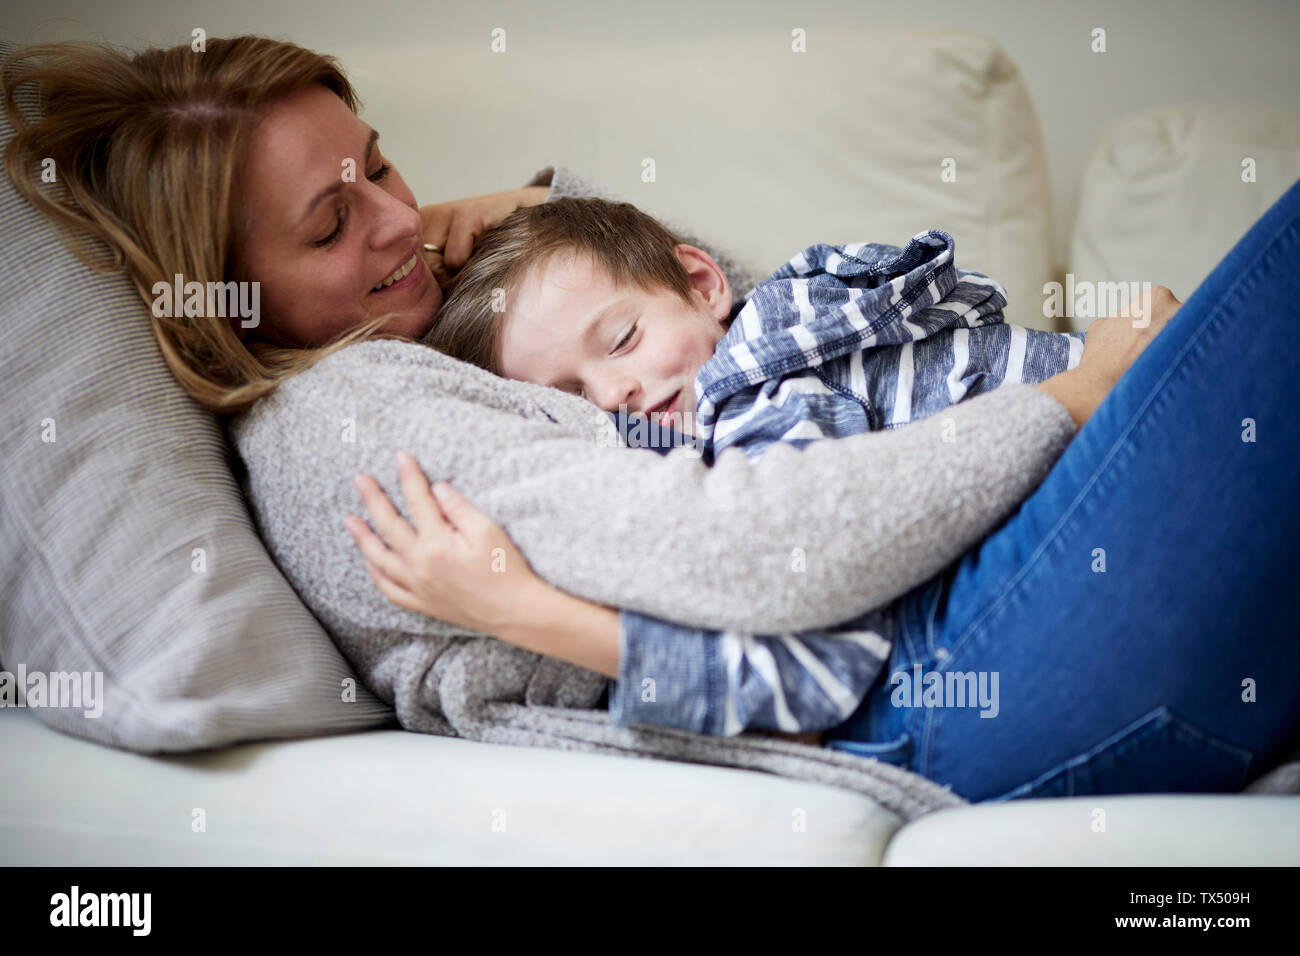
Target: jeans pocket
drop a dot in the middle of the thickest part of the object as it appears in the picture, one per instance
(1161, 752)
(897, 752)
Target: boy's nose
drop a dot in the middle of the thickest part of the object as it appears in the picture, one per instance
(618, 393)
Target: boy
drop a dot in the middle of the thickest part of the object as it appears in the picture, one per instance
(600, 299)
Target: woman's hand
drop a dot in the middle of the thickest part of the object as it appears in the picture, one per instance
(1114, 343)
(453, 226)
(460, 566)
(1111, 347)
(457, 565)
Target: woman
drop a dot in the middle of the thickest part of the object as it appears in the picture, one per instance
(226, 166)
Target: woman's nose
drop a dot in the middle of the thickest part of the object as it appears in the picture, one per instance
(395, 219)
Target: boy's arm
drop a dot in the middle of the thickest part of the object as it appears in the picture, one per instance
(769, 379)
(796, 409)
(706, 682)
(900, 295)
(722, 683)
(832, 301)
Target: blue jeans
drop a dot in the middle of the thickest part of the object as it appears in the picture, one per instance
(1134, 622)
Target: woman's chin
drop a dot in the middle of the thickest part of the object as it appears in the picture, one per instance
(413, 302)
(431, 314)
(416, 322)
(435, 299)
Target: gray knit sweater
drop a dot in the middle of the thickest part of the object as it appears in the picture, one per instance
(666, 536)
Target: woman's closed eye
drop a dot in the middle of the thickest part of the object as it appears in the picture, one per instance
(376, 177)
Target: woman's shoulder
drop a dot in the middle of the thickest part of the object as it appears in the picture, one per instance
(337, 379)
(390, 380)
(358, 364)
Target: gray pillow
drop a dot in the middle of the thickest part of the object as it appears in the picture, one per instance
(101, 528)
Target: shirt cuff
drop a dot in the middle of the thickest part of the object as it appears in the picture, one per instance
(665, 676)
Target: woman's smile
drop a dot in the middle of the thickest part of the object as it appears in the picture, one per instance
(414, 282)
(398, 274)
(411, 274)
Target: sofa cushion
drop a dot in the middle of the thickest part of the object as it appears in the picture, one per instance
(125, 546)
(763, 149)
(1168, 829)
(1163, 197)
(388, 797)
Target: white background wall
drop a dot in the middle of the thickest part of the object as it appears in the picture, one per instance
(1159, 51)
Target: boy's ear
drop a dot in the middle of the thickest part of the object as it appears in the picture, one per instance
(706, 278)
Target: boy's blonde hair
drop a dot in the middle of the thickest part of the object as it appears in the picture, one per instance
(630, 245)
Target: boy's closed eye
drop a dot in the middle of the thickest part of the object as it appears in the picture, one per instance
(625, 342)
(627, 337)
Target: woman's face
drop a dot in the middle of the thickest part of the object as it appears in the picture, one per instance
(326, 223)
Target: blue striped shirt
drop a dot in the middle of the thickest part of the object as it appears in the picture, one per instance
(840, 340)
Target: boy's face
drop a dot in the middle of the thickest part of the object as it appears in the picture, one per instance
(569, 326)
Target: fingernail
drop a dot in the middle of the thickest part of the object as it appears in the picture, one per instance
(356, 480)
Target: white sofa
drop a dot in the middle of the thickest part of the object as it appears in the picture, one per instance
(392, 797)
(750, 147)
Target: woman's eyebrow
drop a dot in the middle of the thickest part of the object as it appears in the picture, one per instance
(330, 190)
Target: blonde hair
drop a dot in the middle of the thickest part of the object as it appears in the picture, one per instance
(147, 147)
(630, 245)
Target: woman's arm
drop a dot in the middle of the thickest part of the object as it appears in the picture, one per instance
(1079, 393)
(459, 566)
(873, 514)
(1112, 346)
(454, 226)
